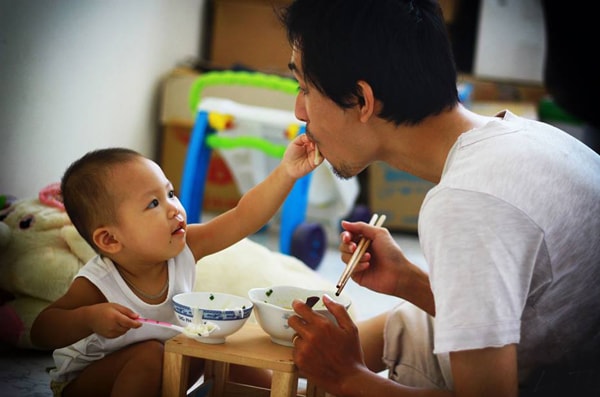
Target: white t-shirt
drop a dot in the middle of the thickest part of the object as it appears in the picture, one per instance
(101, 271)
(512, 238)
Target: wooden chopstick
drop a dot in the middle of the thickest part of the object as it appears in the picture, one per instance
(362, 247)
(355, 255)
(317, 159)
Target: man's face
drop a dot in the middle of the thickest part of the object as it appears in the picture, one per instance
(331, 127)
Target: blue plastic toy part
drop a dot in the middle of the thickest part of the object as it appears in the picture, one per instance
(308, 244)
(360, 212)
(195, 168)
(293, 213)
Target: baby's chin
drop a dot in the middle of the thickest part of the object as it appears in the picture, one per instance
(177, 242)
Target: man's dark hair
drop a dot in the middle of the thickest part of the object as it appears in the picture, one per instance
(400, 47)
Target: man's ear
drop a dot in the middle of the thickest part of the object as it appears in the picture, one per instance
(106, 241)
(366, 102)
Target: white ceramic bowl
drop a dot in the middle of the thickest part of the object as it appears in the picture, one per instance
(274, 307)
(229, 312)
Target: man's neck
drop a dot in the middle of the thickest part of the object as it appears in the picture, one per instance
(422, 149)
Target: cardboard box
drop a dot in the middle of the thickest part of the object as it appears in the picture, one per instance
(248, 32)
(174, 105)
(496, 90)
(449, 9)
(396, 194)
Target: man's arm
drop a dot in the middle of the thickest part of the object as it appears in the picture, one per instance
(486, 372)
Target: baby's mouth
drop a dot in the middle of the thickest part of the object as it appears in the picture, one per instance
(180, 228)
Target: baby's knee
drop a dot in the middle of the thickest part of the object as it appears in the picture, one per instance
(148, 355)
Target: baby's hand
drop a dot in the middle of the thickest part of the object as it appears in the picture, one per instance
(301, 156)
(112, 320)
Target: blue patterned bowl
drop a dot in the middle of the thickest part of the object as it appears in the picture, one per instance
(229, 312)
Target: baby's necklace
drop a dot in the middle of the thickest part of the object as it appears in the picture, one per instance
(142, 293)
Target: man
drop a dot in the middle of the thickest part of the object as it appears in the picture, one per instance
(511, 231)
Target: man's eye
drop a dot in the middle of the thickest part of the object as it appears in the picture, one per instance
(153, 204)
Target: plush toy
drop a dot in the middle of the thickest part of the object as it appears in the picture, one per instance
(41, 252)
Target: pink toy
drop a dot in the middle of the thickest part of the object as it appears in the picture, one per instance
(51, 196)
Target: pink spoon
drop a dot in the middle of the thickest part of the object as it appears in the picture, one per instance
(190, 330)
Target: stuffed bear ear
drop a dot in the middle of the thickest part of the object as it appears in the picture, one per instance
(52, 196)
(79, 247)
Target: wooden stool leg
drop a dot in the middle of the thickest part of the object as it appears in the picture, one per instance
(284, 384)
(209, 375)
(220, 376)
(175, 374)
(313, 391)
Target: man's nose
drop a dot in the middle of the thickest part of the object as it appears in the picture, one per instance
(300, 109)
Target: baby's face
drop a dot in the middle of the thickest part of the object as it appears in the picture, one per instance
(151, 222)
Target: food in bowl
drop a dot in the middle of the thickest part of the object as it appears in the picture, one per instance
(229, 312)
(274, 306)
(202, 329)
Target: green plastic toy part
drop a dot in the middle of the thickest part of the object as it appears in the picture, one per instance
(254, 79)
(270, 149)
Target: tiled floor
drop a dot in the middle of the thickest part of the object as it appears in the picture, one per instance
(23, 373)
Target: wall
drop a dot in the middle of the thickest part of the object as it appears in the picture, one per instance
(511, 41)
(79, 75)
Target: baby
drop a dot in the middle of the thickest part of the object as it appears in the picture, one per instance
(126, 209)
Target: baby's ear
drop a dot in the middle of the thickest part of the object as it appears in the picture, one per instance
(106, 241)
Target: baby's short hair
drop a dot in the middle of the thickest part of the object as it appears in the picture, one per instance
(86, 191)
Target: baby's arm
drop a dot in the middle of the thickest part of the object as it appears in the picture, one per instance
(258, 205)
(82, 311)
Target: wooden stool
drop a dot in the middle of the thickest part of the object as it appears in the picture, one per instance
(251, 347)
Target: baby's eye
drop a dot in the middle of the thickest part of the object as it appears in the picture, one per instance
(171, 193)
(153, 204)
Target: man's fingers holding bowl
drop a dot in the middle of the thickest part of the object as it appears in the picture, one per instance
(339, 312)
